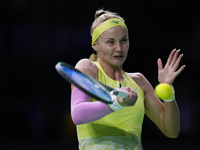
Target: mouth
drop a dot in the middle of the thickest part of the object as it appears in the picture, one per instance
(118, 57)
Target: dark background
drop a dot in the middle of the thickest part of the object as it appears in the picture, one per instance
(36, 34)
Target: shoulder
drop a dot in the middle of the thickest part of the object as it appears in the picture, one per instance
(141, 80)
(88, 67)
(86, 64)
(138, 77)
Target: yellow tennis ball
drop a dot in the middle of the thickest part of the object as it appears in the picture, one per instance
(164, 91)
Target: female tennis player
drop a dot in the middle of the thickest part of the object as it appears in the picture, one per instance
(119, 125)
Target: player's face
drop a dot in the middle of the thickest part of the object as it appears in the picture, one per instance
(112, 46)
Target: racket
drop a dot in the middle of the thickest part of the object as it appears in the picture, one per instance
(89, 85)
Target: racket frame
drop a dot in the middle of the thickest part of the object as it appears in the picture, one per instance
(108, 90)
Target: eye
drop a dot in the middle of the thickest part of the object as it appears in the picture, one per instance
(124, 40)
(111, 42)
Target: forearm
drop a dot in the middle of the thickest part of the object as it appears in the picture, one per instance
(83, 111)
(171, 119)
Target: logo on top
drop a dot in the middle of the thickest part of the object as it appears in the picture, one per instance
(117, 22)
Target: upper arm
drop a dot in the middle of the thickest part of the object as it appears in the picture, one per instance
(87, 67)
(153, 106)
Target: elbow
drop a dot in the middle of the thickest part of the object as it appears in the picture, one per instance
(173, 135)
(172, 131)
(77, 118)
(76, 122)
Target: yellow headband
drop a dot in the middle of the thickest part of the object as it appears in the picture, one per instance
(105, 26)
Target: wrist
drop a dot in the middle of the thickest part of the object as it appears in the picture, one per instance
(172, 98)
(115, 105)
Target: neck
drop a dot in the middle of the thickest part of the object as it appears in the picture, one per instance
(114, 72)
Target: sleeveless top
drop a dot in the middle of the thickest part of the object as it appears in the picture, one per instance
(125, 122)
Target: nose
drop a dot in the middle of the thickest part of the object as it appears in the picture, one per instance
(118, 47)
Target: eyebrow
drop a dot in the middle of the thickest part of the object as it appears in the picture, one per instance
(121, 38)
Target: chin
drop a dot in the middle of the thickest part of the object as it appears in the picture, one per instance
(119, 63)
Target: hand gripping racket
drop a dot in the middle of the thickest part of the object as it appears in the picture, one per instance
(89, 85)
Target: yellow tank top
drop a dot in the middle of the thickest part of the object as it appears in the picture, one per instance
(125, 122)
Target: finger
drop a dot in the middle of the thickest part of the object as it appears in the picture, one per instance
(128, 89)
(170, 57)
(160, 65)
(180, 70)
(132, 97)
(133, 91)
(177, 62)
(175, 57)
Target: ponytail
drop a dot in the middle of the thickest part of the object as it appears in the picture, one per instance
(93, 57)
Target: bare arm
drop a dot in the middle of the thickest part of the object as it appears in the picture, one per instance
(164, 115)
(171, 116)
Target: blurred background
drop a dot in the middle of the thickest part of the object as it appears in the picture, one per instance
(36, 34)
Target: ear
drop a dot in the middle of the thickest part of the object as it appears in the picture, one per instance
(94, 46)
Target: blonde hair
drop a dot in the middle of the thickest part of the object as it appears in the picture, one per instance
(100, 17)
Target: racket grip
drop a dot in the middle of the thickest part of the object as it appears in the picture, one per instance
(120, 93)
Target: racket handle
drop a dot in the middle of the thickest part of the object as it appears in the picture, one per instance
(120, 93)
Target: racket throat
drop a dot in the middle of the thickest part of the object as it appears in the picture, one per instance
(115, 92)
(119, 93)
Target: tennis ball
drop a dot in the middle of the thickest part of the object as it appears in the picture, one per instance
(164, 91)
